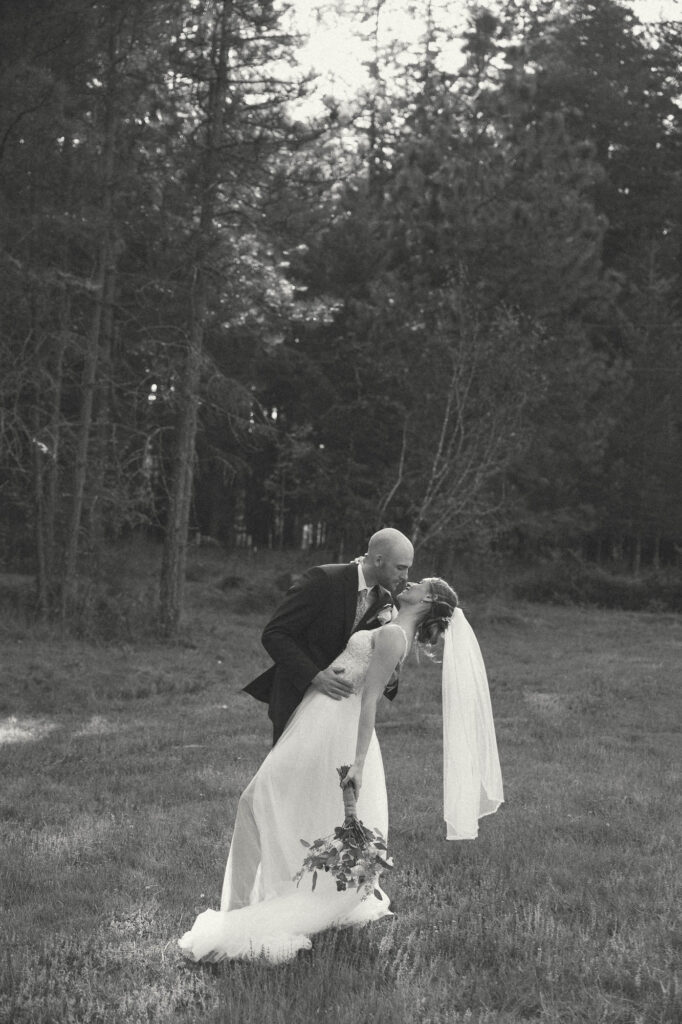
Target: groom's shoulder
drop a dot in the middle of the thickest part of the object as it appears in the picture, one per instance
(321, 574)
(335, 568)
(334, 572)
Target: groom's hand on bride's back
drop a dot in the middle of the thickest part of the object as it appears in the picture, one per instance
(330, 681)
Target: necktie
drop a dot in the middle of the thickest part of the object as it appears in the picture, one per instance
(367, 599)
(363, 596)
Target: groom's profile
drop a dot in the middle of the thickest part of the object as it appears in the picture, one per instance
(321, 610)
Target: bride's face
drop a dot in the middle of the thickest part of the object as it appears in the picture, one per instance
(415, 594)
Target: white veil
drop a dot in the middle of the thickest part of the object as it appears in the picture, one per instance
(472, 780)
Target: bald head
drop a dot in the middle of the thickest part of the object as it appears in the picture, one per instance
(388, 559)
(390, 541)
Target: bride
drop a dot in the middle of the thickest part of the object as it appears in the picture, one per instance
(295, 793)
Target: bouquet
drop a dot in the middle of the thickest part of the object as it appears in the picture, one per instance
(354, 855)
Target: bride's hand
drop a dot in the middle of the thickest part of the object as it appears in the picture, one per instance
(353, 778)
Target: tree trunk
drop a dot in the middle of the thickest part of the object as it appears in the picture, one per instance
(637, 556)
(104, 269)
(52, 486)
(42, 588)
(616, 550)
(175, 546)
(656, 557)
(52, 473)
(103, 416)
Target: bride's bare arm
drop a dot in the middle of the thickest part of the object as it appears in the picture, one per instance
(389, 647)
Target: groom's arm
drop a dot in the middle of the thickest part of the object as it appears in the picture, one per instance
(298, 610)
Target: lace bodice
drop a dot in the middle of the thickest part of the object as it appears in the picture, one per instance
(356, 656)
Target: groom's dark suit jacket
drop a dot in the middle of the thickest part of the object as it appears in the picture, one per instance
(309, 629)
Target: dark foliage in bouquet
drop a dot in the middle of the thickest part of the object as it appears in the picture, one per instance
(354, 855)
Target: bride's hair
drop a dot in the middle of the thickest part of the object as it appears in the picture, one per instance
(439, 613)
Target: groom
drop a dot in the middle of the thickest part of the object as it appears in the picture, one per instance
(312, 625)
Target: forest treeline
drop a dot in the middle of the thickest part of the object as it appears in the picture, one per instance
(450, 304)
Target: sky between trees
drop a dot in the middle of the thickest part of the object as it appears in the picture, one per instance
(335, 49)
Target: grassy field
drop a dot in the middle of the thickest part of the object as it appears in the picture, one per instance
(122, 764)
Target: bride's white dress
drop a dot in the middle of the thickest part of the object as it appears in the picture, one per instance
(296, 795)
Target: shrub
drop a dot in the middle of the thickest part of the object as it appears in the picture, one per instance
(565, 582)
